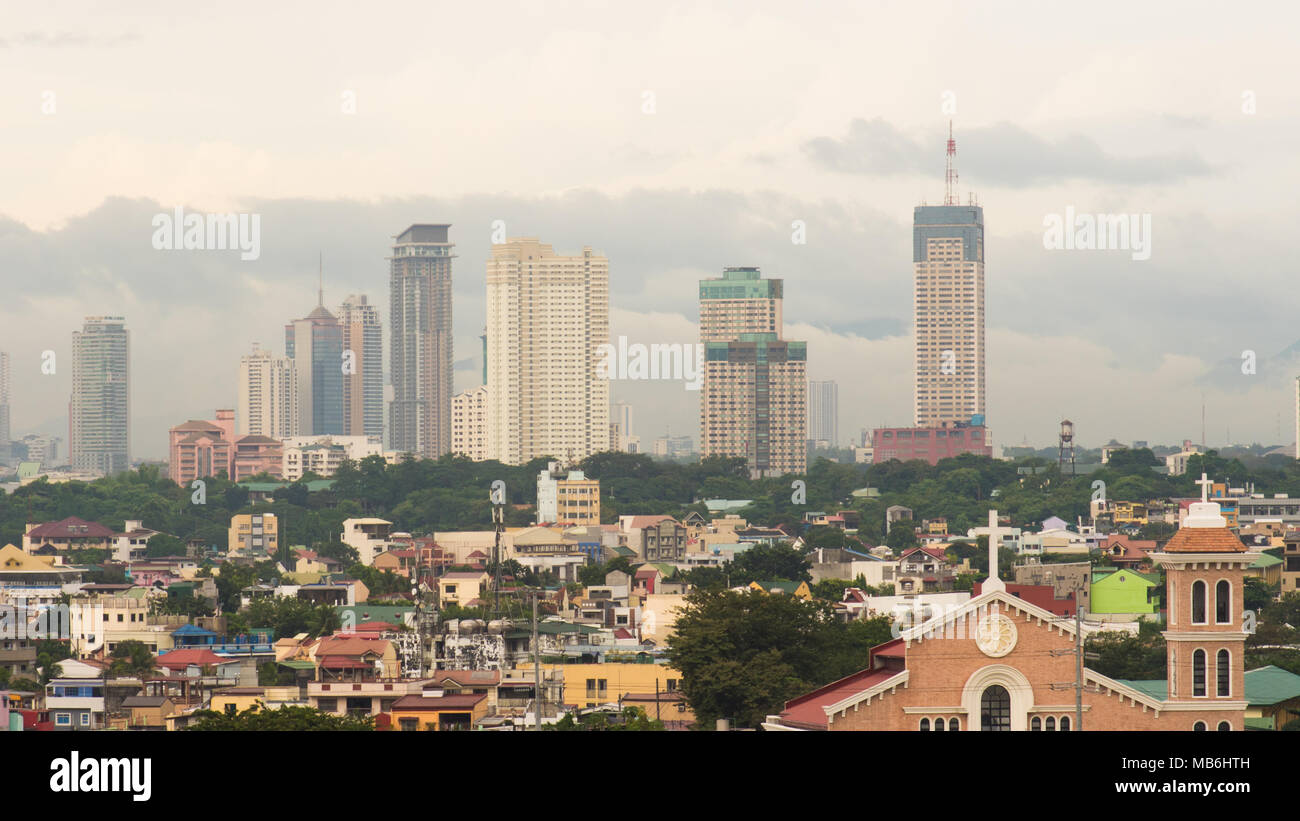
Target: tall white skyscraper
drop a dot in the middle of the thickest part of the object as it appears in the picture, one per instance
(948, 268)
(99, 413)
(547, 315)
(824, 413)
(268, 396)
(363, 388)
(469, 411)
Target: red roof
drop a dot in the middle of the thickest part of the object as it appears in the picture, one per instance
(623, 633)
(457, 702)
(71, 528)
(345, 663)
(375, 626)
(806, 711)
(889, 650)
(180, 659)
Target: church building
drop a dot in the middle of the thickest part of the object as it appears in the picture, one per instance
(999, 662)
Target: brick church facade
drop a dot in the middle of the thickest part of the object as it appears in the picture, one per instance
(1002, 663)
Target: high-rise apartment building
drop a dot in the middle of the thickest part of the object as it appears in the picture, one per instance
(363, 378)
(99, 413)
(948, 267)
(268, 395)
(315, 344)
(6, 456)
(469, 411)
(754, 398)
(627, 441)
(421, 340)
(824, 413)
(547, 316)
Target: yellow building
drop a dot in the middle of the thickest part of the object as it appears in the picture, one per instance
(439, 712)
(1126, 513)
(234, 700)
(253, 534)
(590, 685)
(462, 587)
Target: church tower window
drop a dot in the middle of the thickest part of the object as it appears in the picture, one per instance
(1223, 602)
(1198, 673)
(1223, 671)
(1198, 602)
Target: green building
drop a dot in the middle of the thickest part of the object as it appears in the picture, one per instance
(1124, 591)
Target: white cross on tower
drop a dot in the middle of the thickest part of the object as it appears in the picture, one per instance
(1205, 487)
(995, 541)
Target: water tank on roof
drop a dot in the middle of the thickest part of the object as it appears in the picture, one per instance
(498, 626)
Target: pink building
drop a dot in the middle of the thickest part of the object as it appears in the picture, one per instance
(930, 444)
(202, 448)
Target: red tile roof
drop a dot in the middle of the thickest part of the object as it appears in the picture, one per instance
(806, 711)
(180, 659)
(64, 530)
(1204, 540)
(457, 702)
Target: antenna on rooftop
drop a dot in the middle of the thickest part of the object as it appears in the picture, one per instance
(950, 183)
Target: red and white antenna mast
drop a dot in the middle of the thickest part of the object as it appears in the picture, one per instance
(950, 184)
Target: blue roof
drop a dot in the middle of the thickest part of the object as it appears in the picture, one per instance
(191, 630)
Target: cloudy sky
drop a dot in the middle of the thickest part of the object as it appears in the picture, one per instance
(677, 139)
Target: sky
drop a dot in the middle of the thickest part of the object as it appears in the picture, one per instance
(677, 139)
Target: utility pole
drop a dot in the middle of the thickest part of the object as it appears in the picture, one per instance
(537, 670)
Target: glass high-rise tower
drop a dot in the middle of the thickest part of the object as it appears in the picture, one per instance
(421, 341)
(99, 413)
(315, 344)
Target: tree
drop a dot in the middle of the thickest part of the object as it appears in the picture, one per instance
(295, 719)
(742, 655)
(133, 659)
(1124, 656)
(778, 562)
(831, 590)
(161, 544)
(901, 536)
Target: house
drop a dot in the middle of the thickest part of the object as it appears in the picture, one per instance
(1268, 568)
(433, 709)
(655, 538)
(75, 703)
(1125, 552)
(132, 544)
(368, 536)
(924, 570)
(797, 589)
(355, 658)
(309, 561)
(1273, 698)
(462, 587)
(148, 712)
(68, 534)
(35, 581)
(1124, 592)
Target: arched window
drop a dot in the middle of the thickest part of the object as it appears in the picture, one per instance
(995, 709)
(953, 725)
(1065, 724)
(1051, 724)
(1035, 724)
(925, 725)
(1223, 602)
(1223, 670)
(1225, 727)
(1198, 602)
(939, 725)
(1199, 726)
(1198, 673)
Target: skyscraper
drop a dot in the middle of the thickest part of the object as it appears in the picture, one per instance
(6, 456)
(99, 413)
(315, 344)
(363, 388)
(948, 267)
(754, 398)
(421, 339)
(547, 316)
(268, 395)
(824, 413)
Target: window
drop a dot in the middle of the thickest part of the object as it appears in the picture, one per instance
(939, 726)
(85, 719)
(230, 709)
(1198, 673)
(1223, 602)
(1198, 602)
(1199, 727)
(953, 725)
(995, 709)
(63, 719)
(1036, 724)
(925, 725)
(1065, 724)
(1051, 724)
(1225, 727)
(1223, 671)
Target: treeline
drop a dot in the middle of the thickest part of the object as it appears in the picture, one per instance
(423, 496)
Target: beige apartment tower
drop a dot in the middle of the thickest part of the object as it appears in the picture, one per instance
(363, 375)
(547, 316)
(268, 395)
(753, 402)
